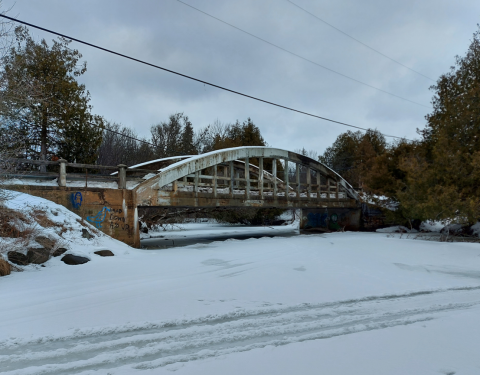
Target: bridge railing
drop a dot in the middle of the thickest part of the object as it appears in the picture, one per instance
(233, 179)
(22, 169)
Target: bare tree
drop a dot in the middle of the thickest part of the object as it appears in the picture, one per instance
(119, 146)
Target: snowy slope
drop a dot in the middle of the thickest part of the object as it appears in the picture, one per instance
(344, 303)
(64, 228)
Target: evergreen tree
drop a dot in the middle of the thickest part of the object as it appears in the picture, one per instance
(444, 181)
(237, 135)
(187, 146)
(353, 153)
(44, 105)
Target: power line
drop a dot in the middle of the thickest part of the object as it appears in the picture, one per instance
(358, 41)
(301, 57)
(189, 77)
(123, 135)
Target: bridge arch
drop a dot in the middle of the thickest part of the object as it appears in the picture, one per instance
(329, 185)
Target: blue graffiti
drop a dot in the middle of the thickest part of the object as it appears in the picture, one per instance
(99, 218)
(76, 199)
(317, 220)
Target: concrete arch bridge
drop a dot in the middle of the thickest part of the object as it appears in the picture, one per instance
(235, 177)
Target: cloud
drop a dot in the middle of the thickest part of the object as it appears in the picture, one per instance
(424, 35)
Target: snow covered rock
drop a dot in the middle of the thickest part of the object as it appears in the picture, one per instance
(86, 234)
(45, 242)
(38, 255)
(104, 253)
(73, 260)
(17, 258)
(59, 251)
(455, 229)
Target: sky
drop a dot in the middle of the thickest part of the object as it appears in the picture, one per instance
(424, 35)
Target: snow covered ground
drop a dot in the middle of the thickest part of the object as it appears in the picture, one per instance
(343, 303)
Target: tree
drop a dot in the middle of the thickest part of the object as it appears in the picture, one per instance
(119, 147)
(444, 181)
(237, 135)
(173, 138)
(44, 104)
(187, 140)
(353, 153)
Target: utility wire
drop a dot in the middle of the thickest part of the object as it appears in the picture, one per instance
(189, 77)
(358, 41)
(301, 57)
(123, 135)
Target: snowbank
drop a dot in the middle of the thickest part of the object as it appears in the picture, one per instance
(41, 217)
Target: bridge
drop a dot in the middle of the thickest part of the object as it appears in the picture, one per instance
(235, 177)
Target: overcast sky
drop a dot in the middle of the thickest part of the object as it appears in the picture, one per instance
(424, 35)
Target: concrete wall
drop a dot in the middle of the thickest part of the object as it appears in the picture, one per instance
(110, 210)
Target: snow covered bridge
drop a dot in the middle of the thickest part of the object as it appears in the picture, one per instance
(235, 177)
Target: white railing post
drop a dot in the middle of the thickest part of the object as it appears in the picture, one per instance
(62, 177)
(122, 176)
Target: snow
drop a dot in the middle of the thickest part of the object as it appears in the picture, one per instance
(431, 226)
(159, 160)
(205, 230)
(475, 228)
(338, 303)
(77, 183)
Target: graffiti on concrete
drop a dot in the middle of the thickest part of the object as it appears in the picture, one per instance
(76, 199)
(99, 218)
(334, 221)
(117, 221)
(316, 219)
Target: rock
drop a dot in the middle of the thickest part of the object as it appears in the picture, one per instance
(45, 242)
(5, 267)
(455, 229)
(104, 253)
(38, 256)
(17, 258)
(59, 251)
(74, 259)
(86, 234)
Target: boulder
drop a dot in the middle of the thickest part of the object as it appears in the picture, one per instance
(104, 253)
(5, 267)
(17, 258)
(74, 259)
(86, 234)
(59, 251)
(45, 242)
(38, 255)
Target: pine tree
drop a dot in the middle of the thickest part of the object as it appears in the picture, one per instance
(187, 146)
(43, 104)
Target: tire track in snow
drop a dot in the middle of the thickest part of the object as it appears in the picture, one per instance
(159, 344)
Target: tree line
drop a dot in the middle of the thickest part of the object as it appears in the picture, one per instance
(45, 113)
(436, 177)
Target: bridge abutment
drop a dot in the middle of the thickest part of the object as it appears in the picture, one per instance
(330, 219)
